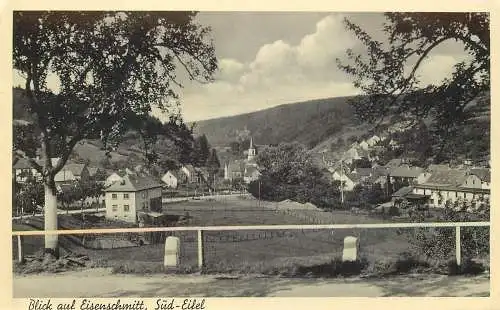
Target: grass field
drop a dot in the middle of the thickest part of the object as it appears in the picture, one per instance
(248, 251)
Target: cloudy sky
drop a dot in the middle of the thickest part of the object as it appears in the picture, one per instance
(267, 59)
(272, 58)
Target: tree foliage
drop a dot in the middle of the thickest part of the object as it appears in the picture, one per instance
(201, 151)
(213, 164)
(439, 243)
(27, 195)
(391, 87)
(287, 171)
(112, 69)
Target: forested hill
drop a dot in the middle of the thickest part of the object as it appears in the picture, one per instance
(308, 122)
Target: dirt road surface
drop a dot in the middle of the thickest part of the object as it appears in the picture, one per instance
(101, 283)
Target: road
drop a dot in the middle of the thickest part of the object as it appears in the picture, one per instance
(101, 283)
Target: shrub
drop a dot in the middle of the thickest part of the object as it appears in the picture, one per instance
(468, 267)
(439, 243)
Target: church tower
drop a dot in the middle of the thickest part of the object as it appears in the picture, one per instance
(251, 151)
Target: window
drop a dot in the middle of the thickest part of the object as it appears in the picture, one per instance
(114, 196)
(114, 208)
(126, 208)
(125, 196)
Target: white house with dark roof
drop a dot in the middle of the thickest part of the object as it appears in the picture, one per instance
(23, 169)
(347, 180)
(130, 195)
(479, 178)
(451, 185)
(405, 174)
(190, 172)
(171, 178)
(71, 173)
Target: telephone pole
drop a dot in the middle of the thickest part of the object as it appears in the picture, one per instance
(341, 182)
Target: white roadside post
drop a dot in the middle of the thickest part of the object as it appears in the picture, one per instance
(20, 255)
(458, 246)
(172, 251)
(350, 252)
(201, 258)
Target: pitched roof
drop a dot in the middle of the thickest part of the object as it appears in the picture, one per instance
(381, 171)
(353, 177)
(133, 183)
(23, 163)
(366, 172)
(482, 173)
(448, 177)
(76, 169)
(393, 163)
(406, 172)
(403, 191)
(434, 167)
(175, 173)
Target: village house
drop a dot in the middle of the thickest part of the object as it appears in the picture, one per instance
(478, 178)
(202, 175)
(171, 178)
(245, 169)
(130, 195)
(348, 181)
(351, 155)
(373, 140)
(234, 170)
(405, 174)
(437, 167)
(190, 172)
(394, 163)
(23, 169)
(112, 178)
(71, 173)
(364, 145)
(423, 177)
(398, 197)
(363, 173)
(452, 185)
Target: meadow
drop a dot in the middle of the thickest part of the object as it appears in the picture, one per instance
(243, 251)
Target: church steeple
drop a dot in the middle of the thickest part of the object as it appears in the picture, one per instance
(251, 150)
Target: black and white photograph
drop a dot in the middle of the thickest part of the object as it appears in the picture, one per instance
(208, 154)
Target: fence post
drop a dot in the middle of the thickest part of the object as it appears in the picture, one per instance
(458, 253)
(20, 256)
(201, 260)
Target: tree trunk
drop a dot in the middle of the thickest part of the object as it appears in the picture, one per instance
(50, 215)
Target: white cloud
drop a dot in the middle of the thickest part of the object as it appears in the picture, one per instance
(329, 40)
(229, 69)
(438, 67)
(280, 73)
